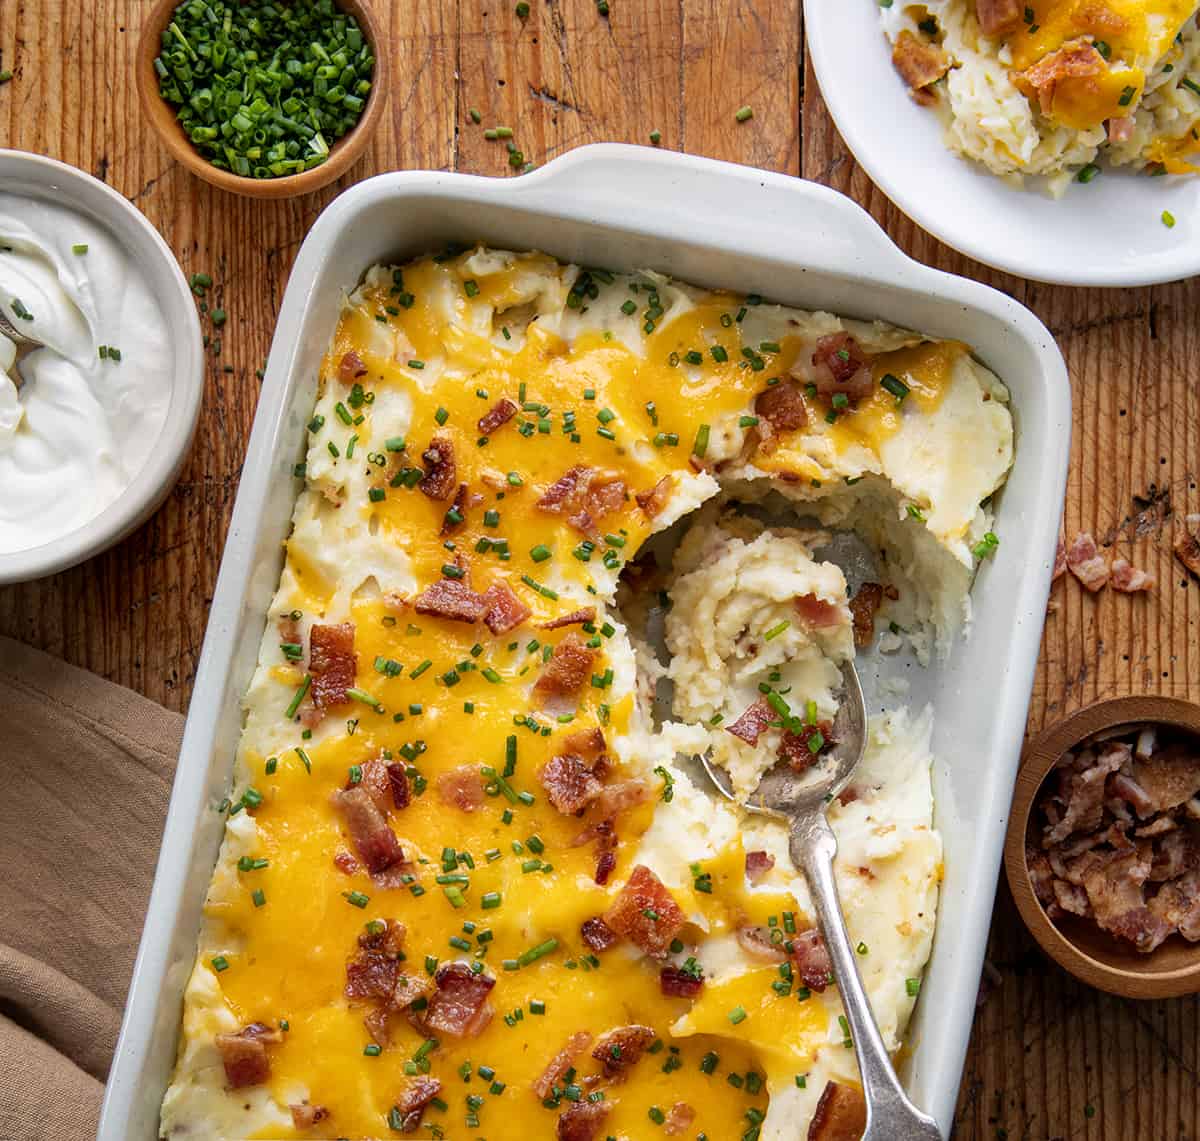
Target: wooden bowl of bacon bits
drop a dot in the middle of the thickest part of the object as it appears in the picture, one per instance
(1103, 847)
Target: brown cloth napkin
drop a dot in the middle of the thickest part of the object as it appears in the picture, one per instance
(85, 773)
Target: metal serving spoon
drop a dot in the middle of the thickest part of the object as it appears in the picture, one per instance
(25, 345)
(801, 800)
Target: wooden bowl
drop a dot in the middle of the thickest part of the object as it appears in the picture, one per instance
(342, 154)
(1077, 944)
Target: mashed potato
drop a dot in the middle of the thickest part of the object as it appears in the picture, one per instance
(1054, 87)
(463, 834)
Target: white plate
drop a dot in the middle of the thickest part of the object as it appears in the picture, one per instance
(709, 223)
(1105, 232)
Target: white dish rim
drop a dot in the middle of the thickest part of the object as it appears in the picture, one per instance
(587, 188)
(154, 482)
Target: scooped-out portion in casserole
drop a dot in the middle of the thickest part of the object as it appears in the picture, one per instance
(557, 529)
(1054, 87)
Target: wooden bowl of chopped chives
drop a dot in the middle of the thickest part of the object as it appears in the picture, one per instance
(266, 98)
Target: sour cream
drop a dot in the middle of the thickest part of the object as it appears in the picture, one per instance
(76, 427)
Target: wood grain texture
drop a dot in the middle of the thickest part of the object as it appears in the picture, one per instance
(1049, 1058)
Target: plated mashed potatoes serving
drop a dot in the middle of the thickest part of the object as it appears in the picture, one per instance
(1055, 87)
(467, 887)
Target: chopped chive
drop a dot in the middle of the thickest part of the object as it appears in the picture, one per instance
(298, 697)
(744, 113)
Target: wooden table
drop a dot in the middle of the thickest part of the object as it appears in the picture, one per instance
(1049, 1058)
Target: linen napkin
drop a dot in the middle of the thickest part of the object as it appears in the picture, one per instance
(85, 773)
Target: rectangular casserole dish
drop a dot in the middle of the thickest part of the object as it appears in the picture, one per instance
(712, 224)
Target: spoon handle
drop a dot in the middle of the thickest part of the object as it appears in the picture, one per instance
(890, 1115)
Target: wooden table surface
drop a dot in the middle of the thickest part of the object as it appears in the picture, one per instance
(1049, 1058)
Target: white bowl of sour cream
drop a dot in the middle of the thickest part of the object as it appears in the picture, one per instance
(94, 426)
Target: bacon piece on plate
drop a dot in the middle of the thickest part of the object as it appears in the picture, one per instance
(373, 971)
(920, 63)
(331, 662)
(621, 1048)
(621, 796)
(499, 414)
(570, 785)
(866, 601)
(1187, 547)
(398, 785)
(586, 743)
(645, 913)
(841, 1114)
(581, 1120)
(453, 600)
(675, 982)
(750, 726)
(841, 366)
(462, 788)
(1129, 579)
(564, 489)
(375, 781)
(569, 669)
(351, 367)
(417, 1093)
(244, 1055)
(575, 618)
(653, 501)
(305, 1115)
(576, 1045)
(1086, 563)
(758, 863)
(782, 406)
(584, 496)
(998, 17)
(598, 935)
(459, 1006)
(374, 841)
(811, 958)
(505, 611)
(816, 611)
(439, 480)
(1076, 59)
(679, 1119)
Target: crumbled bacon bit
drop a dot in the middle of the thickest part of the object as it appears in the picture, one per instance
(750, 726)
(797, 748)
(679, 1119)
(586, 743)
(598, 935)
(462, 788)
(811, 959)
(645, 912)
(440, 470)
(584, 496)
(841, 366)
(453, 600)
(758, 944)
(373, 971)
(817, 612)
(1086, 563)
(398, 784)
(622, 1048)
(374, 841)
(346, 863)
(305, 1115)
(244, 1055)
(575, 618)
(576, 1045)
(998, 17)
(417, 1093)
(351, 367)
(782, 406)
(866, 601)
(1128, 579)
(331, 662)
(758, 863)
(563, 489)
(459, 507)
(1076, 59)
(920, 64)
(499, 414)
(570, 785)
(505, 611)
(581, 1120)
(569, 669)
(841, 1114)
(375, 781)
(653, 501)
(1060, 560)
(620, 796)
(678, 983)
(1187, 548)
(459, 1006)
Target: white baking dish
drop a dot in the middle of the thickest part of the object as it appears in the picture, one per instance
(709, 223)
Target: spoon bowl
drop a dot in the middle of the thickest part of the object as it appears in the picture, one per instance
(24, 345)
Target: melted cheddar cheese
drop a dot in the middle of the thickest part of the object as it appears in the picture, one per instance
(645, 380)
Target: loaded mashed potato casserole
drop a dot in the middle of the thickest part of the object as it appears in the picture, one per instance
(467, 888)
(1053, 87)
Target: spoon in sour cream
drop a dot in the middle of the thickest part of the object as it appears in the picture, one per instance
(19, 346)
(799, 799)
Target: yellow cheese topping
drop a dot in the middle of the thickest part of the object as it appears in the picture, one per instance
(507, 887)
